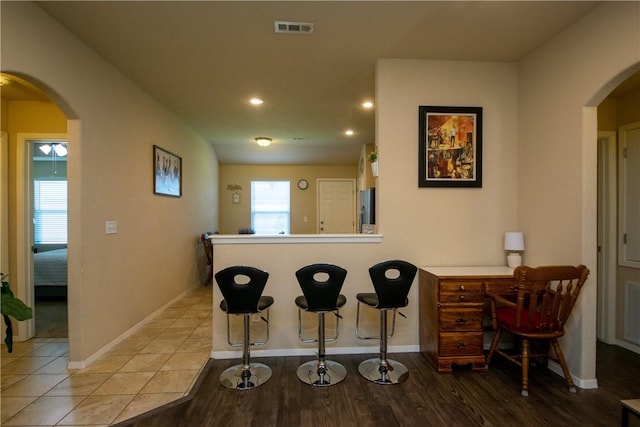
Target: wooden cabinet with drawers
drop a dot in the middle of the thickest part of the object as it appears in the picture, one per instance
(451, 313)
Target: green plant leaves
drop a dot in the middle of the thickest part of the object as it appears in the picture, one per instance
(14, 307)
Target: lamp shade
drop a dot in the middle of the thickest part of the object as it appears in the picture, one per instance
(513, 241)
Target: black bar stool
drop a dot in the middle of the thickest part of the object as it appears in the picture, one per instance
(392, 281)
(242, 287)
(321, 285)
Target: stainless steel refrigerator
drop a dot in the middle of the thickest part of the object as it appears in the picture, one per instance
(367, 207)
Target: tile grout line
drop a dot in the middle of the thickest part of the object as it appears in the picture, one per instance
(201, 299)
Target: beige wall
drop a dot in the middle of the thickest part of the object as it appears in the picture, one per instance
(446, 226)
(115, 281)
(366, 179)
(303, 202)
(559, 87)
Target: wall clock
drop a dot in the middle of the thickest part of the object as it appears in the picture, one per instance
(303, 184)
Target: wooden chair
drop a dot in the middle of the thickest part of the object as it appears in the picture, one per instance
(544, 299)
(208, 251)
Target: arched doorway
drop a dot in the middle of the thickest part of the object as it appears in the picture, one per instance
(34, 120)
(617, 109)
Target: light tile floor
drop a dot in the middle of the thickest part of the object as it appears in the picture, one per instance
(159, 363)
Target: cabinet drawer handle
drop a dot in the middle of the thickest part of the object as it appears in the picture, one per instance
(461, 297)
(462, 287)
(461, 344)
(461, 321)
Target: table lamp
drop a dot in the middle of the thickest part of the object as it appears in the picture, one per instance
(514, 243)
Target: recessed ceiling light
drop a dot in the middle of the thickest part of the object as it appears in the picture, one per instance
(256, 101)
(367, 104)
(349, 132)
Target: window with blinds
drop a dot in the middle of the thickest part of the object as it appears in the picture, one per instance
(270, 207)
(50, 211)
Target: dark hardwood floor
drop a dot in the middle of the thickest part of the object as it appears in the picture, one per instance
(463, 398)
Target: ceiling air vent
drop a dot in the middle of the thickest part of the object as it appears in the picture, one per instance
(293, 27)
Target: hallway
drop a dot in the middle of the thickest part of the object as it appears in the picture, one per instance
(156, 365)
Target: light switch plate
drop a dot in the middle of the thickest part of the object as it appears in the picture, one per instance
(111, 227)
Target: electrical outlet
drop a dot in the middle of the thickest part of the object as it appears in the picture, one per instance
(111, 227)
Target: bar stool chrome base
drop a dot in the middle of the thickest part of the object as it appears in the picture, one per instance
(313, 374)
(238, 378)
(376, 371)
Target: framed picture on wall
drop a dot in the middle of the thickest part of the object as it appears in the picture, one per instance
(167, 173)
(450, 146)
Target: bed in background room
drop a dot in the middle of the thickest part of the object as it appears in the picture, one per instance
(50, 273)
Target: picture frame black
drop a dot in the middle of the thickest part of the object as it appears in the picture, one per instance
(450, 146)
(167, 173)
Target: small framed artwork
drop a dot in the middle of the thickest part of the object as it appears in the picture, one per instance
(450, 146)
(167, 173)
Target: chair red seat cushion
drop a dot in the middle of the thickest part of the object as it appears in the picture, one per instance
(506, 316)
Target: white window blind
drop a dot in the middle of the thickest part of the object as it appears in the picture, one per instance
(50, 211)
(270, 207)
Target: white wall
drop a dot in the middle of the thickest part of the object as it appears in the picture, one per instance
(116, 280)
(559, 87)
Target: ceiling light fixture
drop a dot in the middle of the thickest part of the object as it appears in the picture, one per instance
(263, 141)
(256, 101)
(367, 104)
(56, 150)
(349, 132)
(59, 149)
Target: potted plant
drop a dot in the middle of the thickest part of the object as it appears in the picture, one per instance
(14, 307)
(373, 159)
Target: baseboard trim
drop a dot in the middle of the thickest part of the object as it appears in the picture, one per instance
(579, 382)
(627, 345)
(313, 351)
(81, 364)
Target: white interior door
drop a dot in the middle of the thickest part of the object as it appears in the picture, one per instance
(336, 206)
(607, 229)
(4, 204)
(24, 224)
